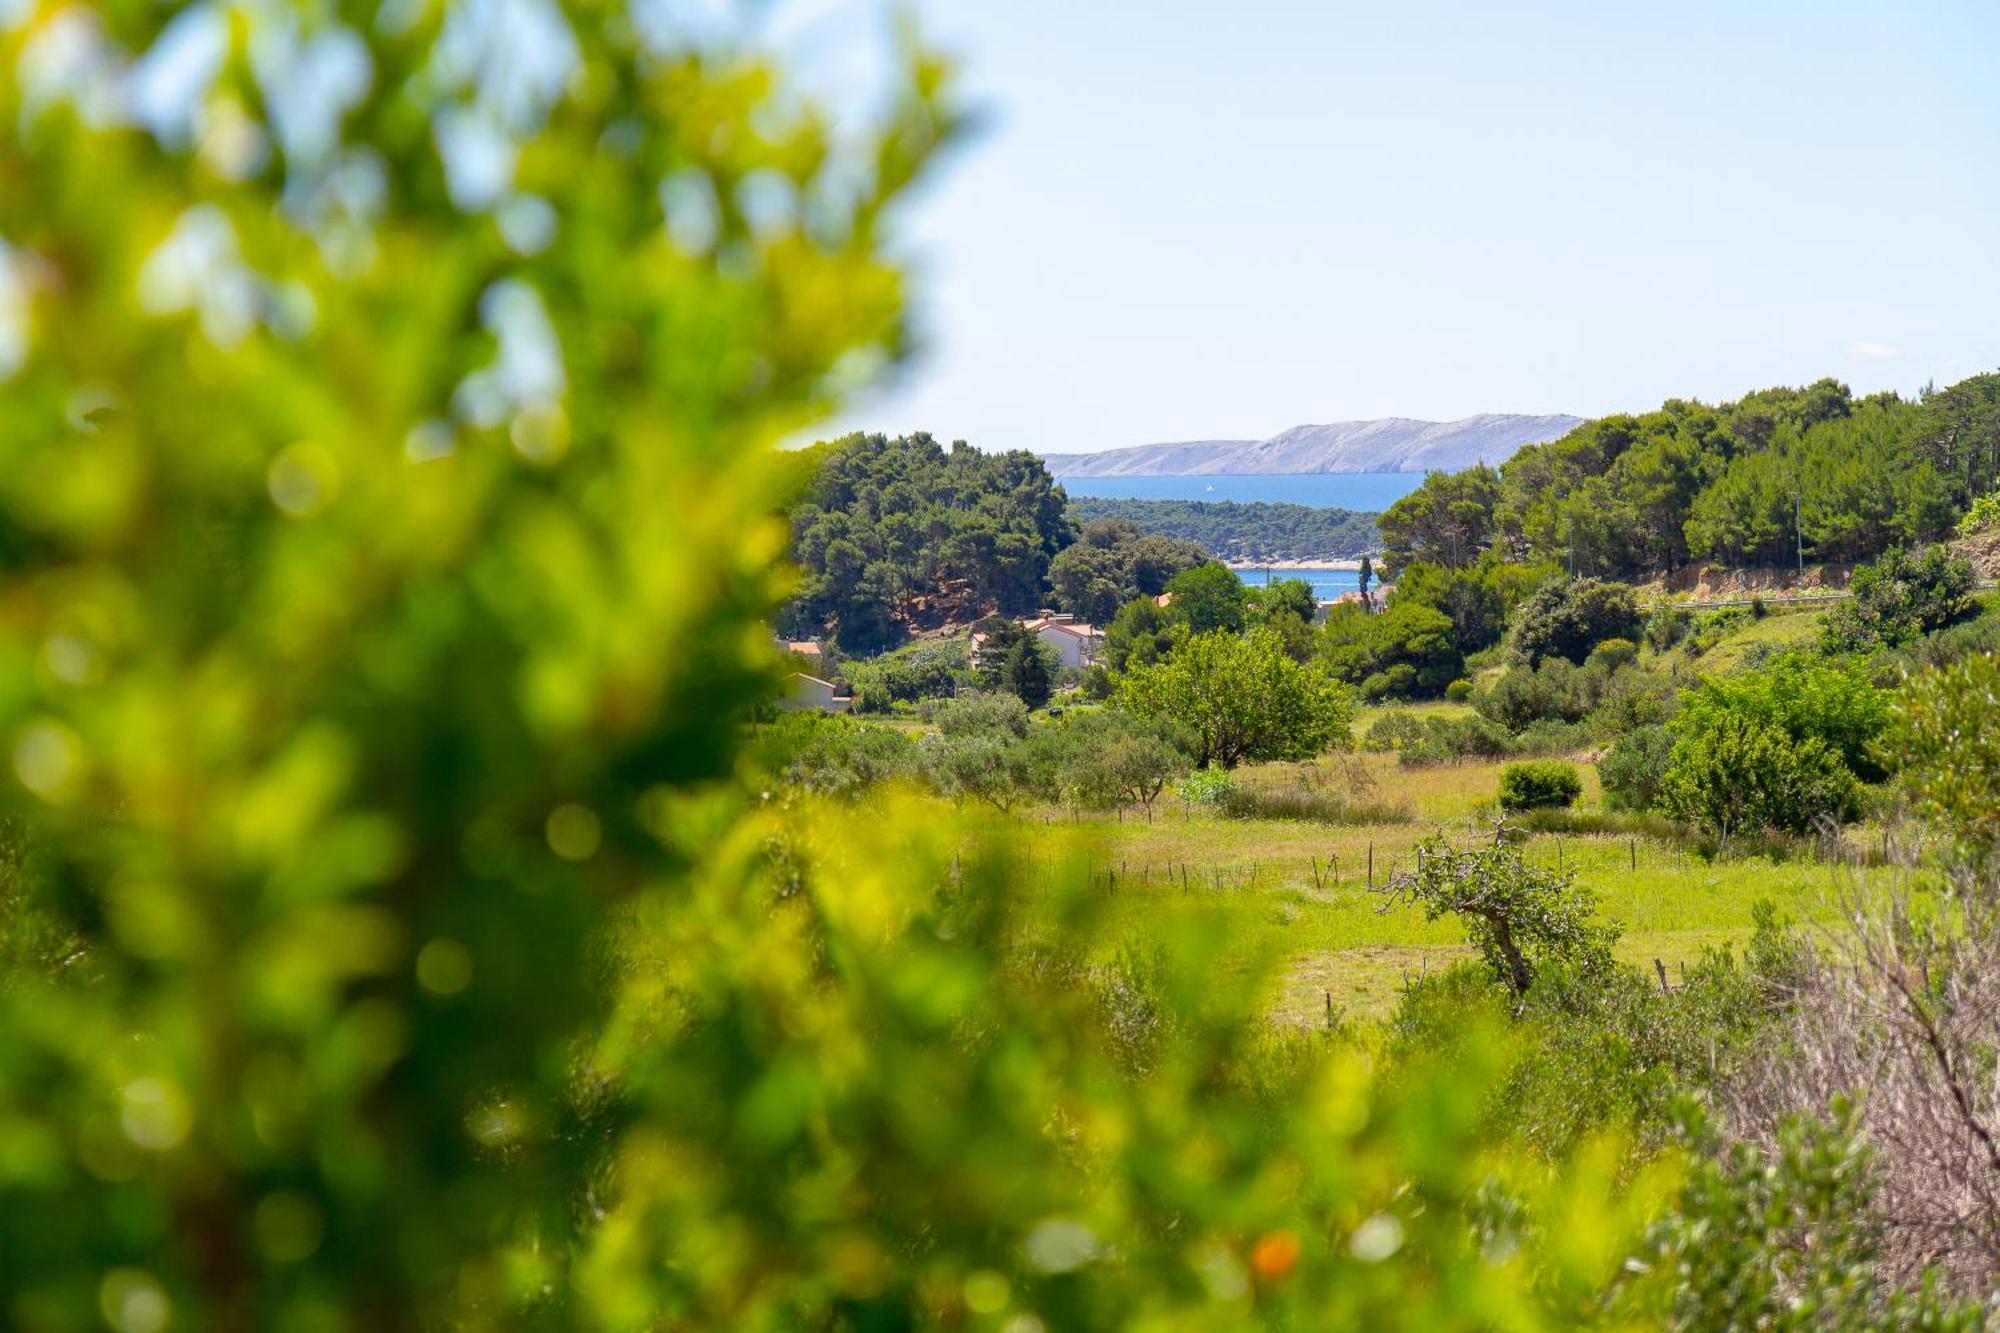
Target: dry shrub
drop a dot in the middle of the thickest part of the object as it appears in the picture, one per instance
(1899, 1010)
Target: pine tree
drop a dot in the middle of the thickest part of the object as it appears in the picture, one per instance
(1026, 672)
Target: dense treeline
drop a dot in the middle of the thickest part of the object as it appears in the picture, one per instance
(1780, 475)
(894, 533)
(1113, 561)
(1239, 531)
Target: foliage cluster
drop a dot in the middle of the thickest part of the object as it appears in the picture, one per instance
(896, 533)
(1111, 562)
(1568, 619)
(1253, 532)
(1545, 784)
(1406, 651)
(1779, 748)
(1241, 697)
(1779, 475)
(1902, 596)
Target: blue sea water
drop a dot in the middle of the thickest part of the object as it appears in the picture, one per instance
(1327, 584)
(1368, 492)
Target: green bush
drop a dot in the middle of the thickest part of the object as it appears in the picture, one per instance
(838, 756)
(1984, 514)
(1539, 784)
(1407, 651)
(1805, 697)
(1393, 731)
(1731, 774)
(1459, 690)
(1633, 771)
(1569, 619)
(1611, 654)
(1945, 731)
(1551, 691)
(1667, 626)
(1899, 598)
(921, 671)
(1446, 740)
(1212, 787)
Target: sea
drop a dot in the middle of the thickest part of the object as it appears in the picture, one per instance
(1367, 492)
(1327, 584)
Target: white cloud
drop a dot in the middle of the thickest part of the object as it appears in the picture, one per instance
(1875, 351)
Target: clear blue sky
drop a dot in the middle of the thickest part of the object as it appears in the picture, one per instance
(1188, 219)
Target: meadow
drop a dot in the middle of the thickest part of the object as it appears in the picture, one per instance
(1293, 897)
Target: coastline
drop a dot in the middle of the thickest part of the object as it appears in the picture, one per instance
(1340, 563)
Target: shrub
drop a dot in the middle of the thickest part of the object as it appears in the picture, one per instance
(1667, 626)
(1539, 784)
(1633, 698)
(1611, 654)
(1806, 698)
(1945, 646)
(922, 671)
(839, 756)
(1569, 619)
(988, 714)
(1554, 690)
(1947, 730)
(1446, 740)
(1984, 514)
(1731, 773)
(1394, 731)
(1212, 787)
(1633, 772)
(1459, 690)
(1900, 597)
(1758, 610)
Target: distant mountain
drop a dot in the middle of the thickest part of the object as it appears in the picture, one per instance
(1394, 444)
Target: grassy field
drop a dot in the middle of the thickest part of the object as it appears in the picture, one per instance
(1294, 897)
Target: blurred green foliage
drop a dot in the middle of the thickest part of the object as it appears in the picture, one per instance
(398, 930)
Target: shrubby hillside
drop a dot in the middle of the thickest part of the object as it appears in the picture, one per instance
(1775, 476)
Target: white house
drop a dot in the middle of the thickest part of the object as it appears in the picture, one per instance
(803, 691)
(1076, 643)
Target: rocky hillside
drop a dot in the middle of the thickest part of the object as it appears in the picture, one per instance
(1394, 444)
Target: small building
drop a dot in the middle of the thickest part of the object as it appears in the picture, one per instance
(1076, 643)
(803, 691)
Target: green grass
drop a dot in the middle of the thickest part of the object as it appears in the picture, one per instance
(1293, 897)
(1775, 632)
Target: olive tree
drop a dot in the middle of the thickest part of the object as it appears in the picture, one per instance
(1517, 915)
